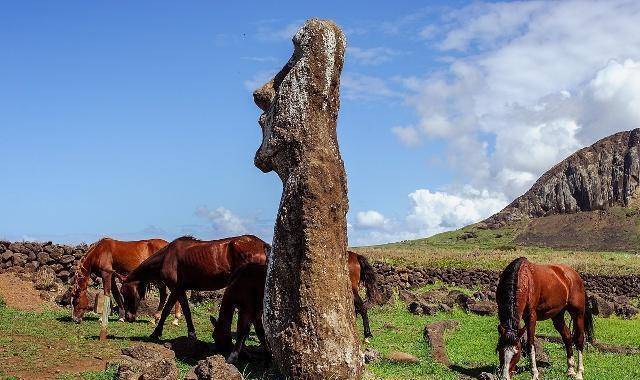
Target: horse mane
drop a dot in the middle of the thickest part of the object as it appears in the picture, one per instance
(187, 237)
(507, 300)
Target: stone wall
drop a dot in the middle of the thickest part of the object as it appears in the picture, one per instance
(31, 257)
(413, 277)
(62, 259)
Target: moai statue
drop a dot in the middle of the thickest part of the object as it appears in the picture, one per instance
(308, 305)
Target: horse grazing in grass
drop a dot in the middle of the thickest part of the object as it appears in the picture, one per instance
(246, 293)
(190, 264)
(109, 258)
(532, 293)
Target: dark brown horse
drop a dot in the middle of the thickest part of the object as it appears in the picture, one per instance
(532, 293)
(190, 264)
(109, 258)
(246, 292)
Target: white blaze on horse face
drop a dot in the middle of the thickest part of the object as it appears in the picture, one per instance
(508, 353)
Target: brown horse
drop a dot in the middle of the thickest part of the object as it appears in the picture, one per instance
(246, 292)
(190, 264)
(532, 293)
(106, 258)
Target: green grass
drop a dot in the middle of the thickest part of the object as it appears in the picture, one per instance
(494, 249)
(31, 341)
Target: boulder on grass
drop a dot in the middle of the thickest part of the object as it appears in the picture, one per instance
(146, 362)
(213, 368)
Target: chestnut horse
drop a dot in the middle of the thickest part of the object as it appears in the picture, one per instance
(109, 258)
(532, 293)
(246, 292)
(190, 264)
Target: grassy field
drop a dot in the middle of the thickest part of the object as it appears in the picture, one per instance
(494, 249)
(49, 343)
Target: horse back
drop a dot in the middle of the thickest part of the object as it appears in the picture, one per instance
(128, 255)
(557, 286)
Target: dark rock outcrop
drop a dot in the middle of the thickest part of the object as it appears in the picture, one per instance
(597, 177)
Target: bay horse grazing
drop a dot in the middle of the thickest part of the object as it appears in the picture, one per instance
(109, 258)
(532, 293)
(190, 264)
(246, 293)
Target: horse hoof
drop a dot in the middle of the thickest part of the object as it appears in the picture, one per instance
(175, 322)
(571, 373)
(120, 319)
(367, 341)
(192, 335)
(154, 336)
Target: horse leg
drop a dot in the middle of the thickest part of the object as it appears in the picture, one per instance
(157, 332)
(578, 340)
(242, 331)
(118, 297)
(177, 313)
(162, 288)
(259, 327)
(561, 326)
(531, 336)
(362, 310)
(106, 308)
(184, 304)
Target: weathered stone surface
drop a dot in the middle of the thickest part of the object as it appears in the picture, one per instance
(434, 335)
(600, 307)
(213, 368)
(483, 308)
(602, 175)
(401, 357)
(146, 362)
(371, 355)
(309, 319)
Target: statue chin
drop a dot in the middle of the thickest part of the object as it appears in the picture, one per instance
(262, 163)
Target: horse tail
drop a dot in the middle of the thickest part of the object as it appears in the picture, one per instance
(368, 279)
(588, 321)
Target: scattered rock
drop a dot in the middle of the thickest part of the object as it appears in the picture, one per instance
(434, 336)
(213, 368)
(486, 376)
(146, 362)
(483, 308)
(600, 307)
(371, 355)
(401, 357)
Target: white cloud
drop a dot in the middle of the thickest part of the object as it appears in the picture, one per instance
(371, 219)
(434, 212)
(370, 56)
(431, 212)
(409, 136)
(529, 83)
(223, 220)
(363, 87)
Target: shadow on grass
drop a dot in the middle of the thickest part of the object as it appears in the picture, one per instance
(473, 372)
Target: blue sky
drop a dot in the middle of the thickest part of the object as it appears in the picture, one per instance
(137, 120)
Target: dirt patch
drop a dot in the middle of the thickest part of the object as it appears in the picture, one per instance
(50, 360)
(610, 230)
(21, 295)
(434, 335)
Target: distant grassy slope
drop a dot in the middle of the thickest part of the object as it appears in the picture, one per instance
(475, 247)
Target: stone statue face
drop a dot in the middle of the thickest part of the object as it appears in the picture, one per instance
(263, 97)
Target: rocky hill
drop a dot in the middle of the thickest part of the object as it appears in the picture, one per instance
(603, 175)
(587, 201)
